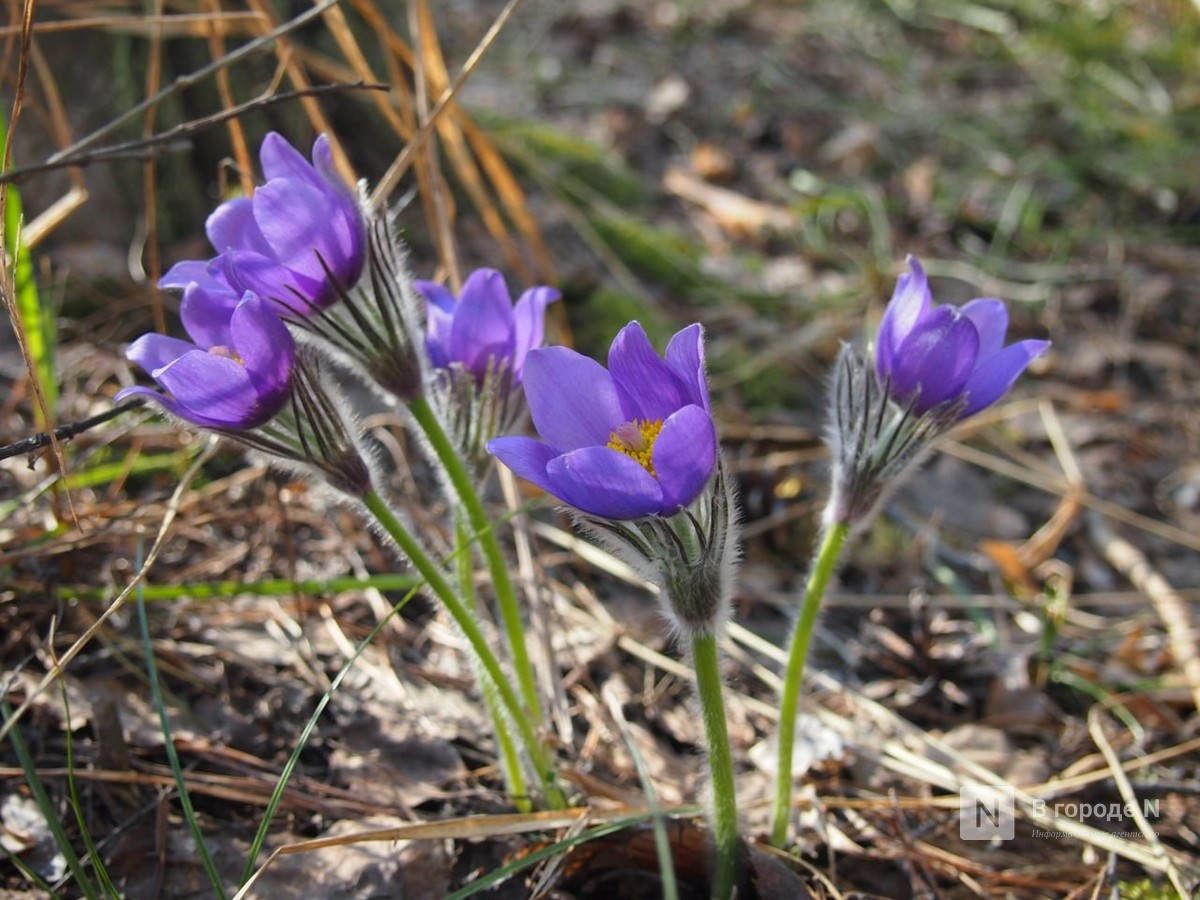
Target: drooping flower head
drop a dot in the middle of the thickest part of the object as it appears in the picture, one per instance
(636, 439)
(299, 240)
(483, 330)
(930, 355)
(236, 371)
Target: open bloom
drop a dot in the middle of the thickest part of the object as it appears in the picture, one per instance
(299, 240)
(635, 439)
(233, 375)
(930, 355)
(483, 329)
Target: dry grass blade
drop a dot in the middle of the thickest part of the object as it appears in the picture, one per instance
(1096, 729)
(1170, 606)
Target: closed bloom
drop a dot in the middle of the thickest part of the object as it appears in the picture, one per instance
(236, 371)
(927, 356)
(483, 329)
(636, 439)
(299, 240)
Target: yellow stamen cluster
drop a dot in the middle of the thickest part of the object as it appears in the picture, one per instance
(636, 440)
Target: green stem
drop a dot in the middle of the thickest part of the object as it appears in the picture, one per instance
(467, 623)
(814, 592)
(510, 762)
(720, 762)
(506, 596)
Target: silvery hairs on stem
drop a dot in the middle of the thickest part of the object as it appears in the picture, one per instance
(316, 433)
(475, 410)
(874, 442)
(377, 327)
(691, 557)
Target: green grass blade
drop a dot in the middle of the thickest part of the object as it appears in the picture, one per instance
(77, 805)
(37, 321)
(38, 789)
(185, 799)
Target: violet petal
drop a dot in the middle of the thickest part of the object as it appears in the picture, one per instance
(265, 347)
(605, 482)
(685, 455)
(995, 375)
(936, 358)
(529, 324)
(646, 386)
(232, 226)
(910, 304)
(571, 398)
(685, 356)
(213, 390)
(991, 321)
(483, 321)
(526, 457)
(154, 352)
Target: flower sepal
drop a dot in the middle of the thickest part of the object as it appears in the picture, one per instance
(690, 557)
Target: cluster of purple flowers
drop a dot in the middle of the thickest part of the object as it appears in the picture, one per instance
(631, 441)
(291, 248)
(298, 251)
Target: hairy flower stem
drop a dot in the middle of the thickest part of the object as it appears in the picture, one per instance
(720, 762)
(506, 596)
(814, 592)
(469, 626)
(510, 761)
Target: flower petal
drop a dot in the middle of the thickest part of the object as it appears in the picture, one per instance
(295, 220)
(154, 352)
(936, 358)
(206, 313)
(201, 271)
(603, 482)
(436, 295)
(526, 457)
(991, 321)
(685, 455)
(265, 347)
(571, 398)
(529, 324)
(909, 305)
(280, 159)
(995, 375)
(646, 386)
(213, 391)
(483, 321)
(685, 356)
(232, 226)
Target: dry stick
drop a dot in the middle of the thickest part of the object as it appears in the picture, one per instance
(142, 147)
(1096, 729)
(400, 165)
(84, 639)
(192, 78)
(1170, 606)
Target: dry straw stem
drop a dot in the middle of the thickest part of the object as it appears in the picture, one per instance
(466, 828)
(1096, 717)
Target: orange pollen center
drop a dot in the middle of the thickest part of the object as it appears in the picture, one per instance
(636, 440)
(222, 350)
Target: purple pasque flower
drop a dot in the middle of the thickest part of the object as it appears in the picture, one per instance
(236, 371)
(635, 439)
(299, 240)
(483, 328)
(929, 355)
